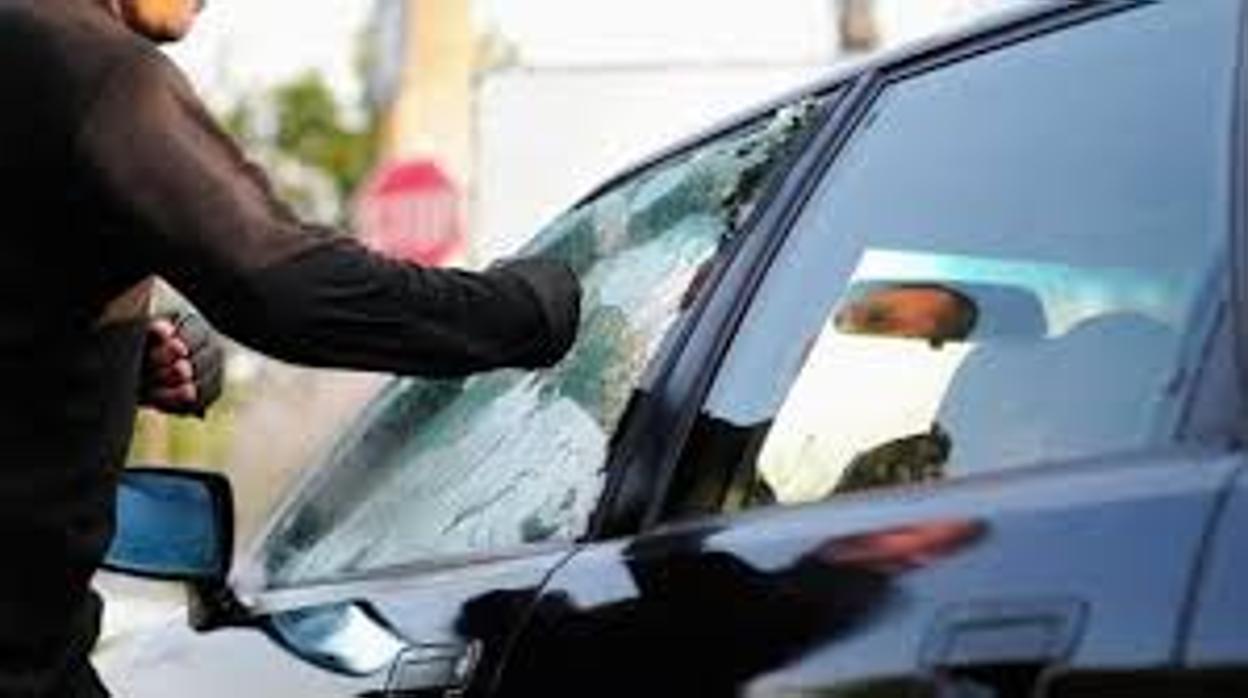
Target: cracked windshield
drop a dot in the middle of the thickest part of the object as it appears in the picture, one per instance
(511, 458)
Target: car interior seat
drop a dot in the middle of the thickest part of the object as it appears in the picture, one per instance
(1004, 314)
(1089, 391)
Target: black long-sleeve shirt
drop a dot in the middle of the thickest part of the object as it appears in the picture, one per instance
(112, 171)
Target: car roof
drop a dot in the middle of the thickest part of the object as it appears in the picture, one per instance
(843, 72)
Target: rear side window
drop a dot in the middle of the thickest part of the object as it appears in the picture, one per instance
(1003, 266)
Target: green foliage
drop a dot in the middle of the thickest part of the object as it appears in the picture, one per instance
(188, 442)
(307, 125)
(311, 129)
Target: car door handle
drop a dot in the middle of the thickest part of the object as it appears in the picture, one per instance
(433, 669)
(1007, 632)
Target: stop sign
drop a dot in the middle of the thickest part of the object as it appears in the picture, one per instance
(411, 210)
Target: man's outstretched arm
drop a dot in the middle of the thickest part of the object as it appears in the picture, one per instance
(207, 221)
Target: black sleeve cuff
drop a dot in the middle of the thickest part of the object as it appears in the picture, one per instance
(558, 293)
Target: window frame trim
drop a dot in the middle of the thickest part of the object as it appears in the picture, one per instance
(1238, 243)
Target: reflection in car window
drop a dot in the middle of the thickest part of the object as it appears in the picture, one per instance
(510, 457)
(1001, 268)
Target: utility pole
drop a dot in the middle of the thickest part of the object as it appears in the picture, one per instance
(430, 108)
(858, 25)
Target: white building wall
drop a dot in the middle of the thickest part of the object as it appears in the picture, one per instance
(546, 137)
(904, 20)
(584, 104)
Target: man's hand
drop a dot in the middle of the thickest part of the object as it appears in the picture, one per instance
(183, 365)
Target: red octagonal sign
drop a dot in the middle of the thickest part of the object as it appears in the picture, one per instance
(411, 210)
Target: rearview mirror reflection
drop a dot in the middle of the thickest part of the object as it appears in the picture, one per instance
(940, 311)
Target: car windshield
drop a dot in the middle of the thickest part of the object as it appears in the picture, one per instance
(451, 467)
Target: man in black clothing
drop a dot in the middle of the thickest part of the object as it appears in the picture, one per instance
(111, 172)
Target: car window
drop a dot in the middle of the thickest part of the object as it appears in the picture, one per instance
(1001, 268)
(506, 458)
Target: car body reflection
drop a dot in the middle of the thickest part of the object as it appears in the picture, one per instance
(707, 620)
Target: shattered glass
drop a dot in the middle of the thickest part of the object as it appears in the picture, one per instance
(507, 458)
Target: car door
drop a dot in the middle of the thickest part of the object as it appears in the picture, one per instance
(1215, 647)
(969, 433)
(404, 562)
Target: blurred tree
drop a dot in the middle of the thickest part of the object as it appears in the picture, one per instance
(299, 133)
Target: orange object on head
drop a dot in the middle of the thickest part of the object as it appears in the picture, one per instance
(161, 20)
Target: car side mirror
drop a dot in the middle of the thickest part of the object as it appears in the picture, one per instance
(174, 525)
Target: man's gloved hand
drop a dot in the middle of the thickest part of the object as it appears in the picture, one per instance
(183, 365)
